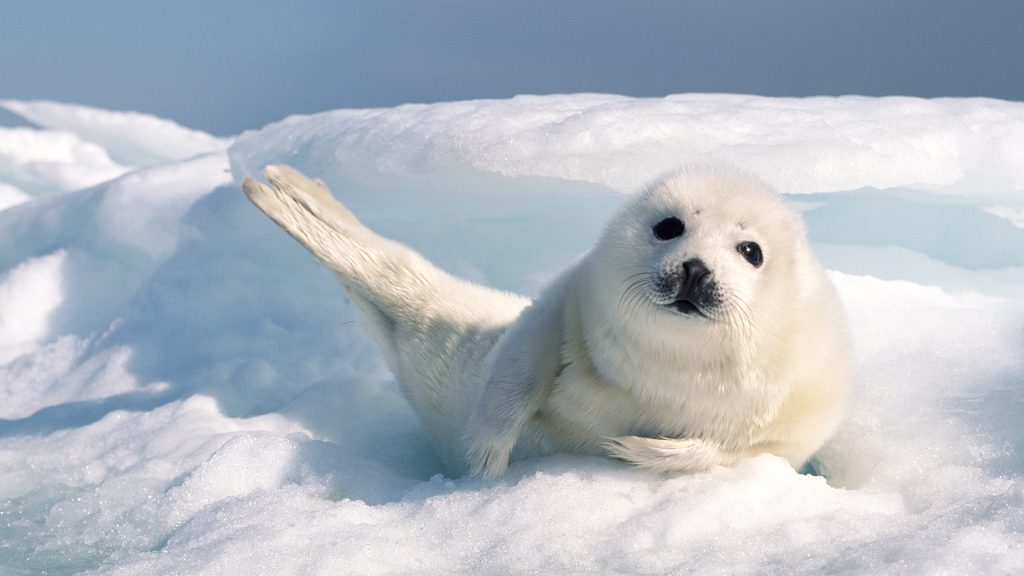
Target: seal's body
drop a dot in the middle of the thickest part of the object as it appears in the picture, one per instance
(698, 331)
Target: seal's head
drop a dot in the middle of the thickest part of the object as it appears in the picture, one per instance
(707, 248)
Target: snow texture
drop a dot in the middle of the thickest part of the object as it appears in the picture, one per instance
(183, 390)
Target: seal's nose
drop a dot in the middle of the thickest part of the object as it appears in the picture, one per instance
(695, 289)
(696, 277)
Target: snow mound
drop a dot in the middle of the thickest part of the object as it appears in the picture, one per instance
(963, 146)
(28, 296)
(184, 390)
(11, 196)
(131, 138)
(43, 162)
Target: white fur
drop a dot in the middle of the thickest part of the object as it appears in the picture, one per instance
(599, 363)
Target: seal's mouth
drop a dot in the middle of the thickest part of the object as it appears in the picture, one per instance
(687, 308)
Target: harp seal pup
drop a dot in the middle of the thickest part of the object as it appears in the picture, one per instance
(698, 331)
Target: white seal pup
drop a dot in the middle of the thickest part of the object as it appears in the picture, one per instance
(699, 330)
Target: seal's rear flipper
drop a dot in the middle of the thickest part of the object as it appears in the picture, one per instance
(383, 270)
(309, 213)
(416, 313)
(313, 194)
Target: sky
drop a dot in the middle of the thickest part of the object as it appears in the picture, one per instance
(225, 67)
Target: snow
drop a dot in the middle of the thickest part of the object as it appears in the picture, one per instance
(965, 146)
(46, 161)
(11, 196)
(1016, 216)
(29, 294)
(183, 390)
(130, 138)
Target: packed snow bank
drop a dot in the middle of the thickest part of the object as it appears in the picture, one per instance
(28, 296)
(963, 146)
(11, 196)
(185, 391)
(131, 138)
(77, 147)
(43, 162)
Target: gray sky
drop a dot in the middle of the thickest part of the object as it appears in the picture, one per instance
(228, 66)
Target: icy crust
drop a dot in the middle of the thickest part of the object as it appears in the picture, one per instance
(966, 146)
(183, 390)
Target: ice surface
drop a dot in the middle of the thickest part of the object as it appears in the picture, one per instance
(183, 390)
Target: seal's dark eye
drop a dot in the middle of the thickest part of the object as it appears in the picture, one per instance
(668, 228)
(752, 252)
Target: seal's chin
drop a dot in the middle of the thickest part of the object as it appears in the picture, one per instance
(687, 308)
